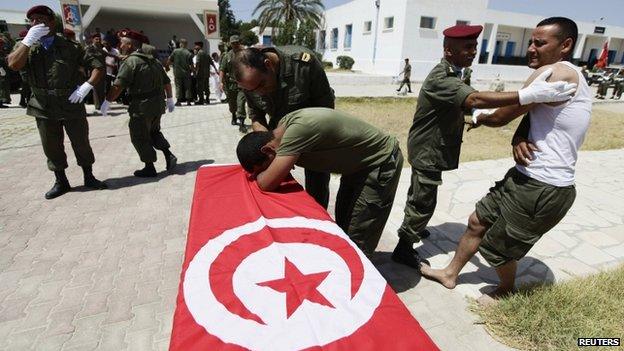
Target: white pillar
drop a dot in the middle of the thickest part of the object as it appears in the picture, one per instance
(580, 46)
(492, 43)
(88, 16)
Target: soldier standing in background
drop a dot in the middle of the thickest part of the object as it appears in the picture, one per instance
(235, 96)
(202, 62)
(97, 51)
(182, 60)
(148, 85)
(53, 64)
(25, 86)
(407, 74)
(5, 86)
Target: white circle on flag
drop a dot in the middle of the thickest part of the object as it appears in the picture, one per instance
(311, 324)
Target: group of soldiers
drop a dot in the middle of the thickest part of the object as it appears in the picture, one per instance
(291, 107)
(617, 80)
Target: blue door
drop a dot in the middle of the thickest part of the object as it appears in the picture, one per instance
(592, 58)
(510, 49)
(611, 56)
(266, 40)
(497, 50)
(483, 46)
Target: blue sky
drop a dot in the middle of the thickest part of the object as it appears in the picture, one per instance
(611, 11)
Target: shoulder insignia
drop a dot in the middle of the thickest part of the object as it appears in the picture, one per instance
(305, 57)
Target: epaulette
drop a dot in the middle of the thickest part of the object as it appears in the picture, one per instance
(302, 56)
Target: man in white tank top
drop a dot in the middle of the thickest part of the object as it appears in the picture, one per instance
(537, 193)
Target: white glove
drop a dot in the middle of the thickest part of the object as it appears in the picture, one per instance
(170, 104)
(476, 112)
(542, 91)
(105, 107)
(35, 33)
(80, 93)
(2, 72)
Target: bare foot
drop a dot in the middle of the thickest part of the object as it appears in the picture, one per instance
(439, 275)
(492, 298)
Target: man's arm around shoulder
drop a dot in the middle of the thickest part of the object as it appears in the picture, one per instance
(278, 170)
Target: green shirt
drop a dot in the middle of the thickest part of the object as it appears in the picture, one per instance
(327, 140)
(225, 66)
(301, 83)
(53, 75)
(145, 79)
(435, 138)
(204, 61)
(182, 60)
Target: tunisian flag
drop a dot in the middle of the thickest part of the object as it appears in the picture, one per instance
(602, 60)
(272, 271)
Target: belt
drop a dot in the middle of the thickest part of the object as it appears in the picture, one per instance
(54, 92)
(149, 94)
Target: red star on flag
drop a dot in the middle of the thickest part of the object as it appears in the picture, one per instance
(298, 287)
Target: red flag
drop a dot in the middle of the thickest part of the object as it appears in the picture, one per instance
(272, 271)
(602, 60)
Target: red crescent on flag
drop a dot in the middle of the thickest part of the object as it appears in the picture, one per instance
(222, 270)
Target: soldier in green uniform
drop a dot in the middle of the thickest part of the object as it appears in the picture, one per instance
(407, 74)
(96, 50)
(619, 85)
(368, 160)
(235, 96)
(182, 61)
(467, 75)
(435, 137)
(24, 85)
(603, 86)
(53, 64)
(147, 85)
(280, 80)
(203, 61)
(5, 87)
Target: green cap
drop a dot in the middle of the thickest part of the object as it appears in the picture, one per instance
(234, 39)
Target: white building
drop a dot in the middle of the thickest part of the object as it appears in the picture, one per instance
(13, 22)
(379, 38)
(266, 37)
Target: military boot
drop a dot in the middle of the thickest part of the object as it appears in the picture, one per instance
(170, 159)
(405, 253)
(146, 172)
(234, 120)
(60, 187)
(242, 127)
(90, 181)
(200, 102)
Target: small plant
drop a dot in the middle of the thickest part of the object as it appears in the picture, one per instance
(345, 62)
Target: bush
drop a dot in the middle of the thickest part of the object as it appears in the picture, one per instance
(345, 62)
(328, 64)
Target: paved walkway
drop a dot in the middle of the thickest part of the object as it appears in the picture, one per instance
(100, 269)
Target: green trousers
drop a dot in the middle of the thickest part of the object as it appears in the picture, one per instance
(365, 199)
(52, 137)
(203, 88)
(146, 136)
(236, 102)
(183, 88)
(422, 198)
(5, 89)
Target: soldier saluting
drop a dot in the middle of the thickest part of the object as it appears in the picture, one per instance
(53, 66)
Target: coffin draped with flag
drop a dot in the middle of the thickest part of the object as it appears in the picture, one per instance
(272, 271)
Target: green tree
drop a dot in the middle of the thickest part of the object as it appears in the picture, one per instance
(248, 38)
(285, 35)
(305, 35)
(227, 22)
(271, 12)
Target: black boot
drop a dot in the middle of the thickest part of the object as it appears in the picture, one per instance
(242, 127)
(178, 103)
(90, 181)
(405, 253)
(234, 120)
(170, 159)
(60, 187)
(147, 172)
(200, 102)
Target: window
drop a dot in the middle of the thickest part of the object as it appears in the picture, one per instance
(322, 44)
(334, 39)
(389, 22)
(368, 26)
(462, 23)
(427, 22)
(347, 37)
(266, 40)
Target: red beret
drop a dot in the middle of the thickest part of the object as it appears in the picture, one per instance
(463, 32)
(40, 9)
(23, 33)
(67, 31)
(129, 33)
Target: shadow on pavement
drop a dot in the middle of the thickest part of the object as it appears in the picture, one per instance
(400, 277)
(444, 239)
(131, 180)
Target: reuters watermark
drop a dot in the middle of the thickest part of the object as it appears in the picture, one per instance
(598, 342)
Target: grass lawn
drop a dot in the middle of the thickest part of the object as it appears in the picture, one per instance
(394, 115)
(553, 317)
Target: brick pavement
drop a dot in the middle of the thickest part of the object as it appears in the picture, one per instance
(100, 269)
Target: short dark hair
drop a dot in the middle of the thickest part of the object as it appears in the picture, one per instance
(567, 29)
(249, 149)
(200, 44)
(250, 57)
